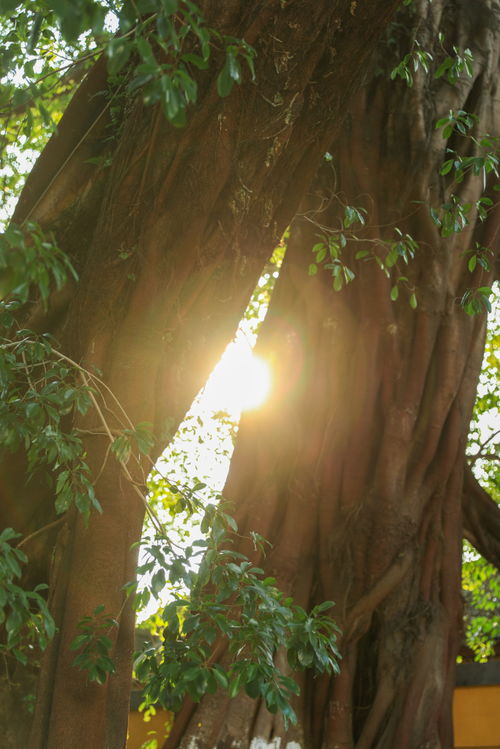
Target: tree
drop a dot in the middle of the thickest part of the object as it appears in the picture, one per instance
(356, 470)
(168, 231)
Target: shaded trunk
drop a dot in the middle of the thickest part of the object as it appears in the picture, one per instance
(355, 469)
(169, 242)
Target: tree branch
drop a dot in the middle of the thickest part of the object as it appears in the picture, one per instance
(481, 519)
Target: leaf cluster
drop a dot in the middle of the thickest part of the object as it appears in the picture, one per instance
(480, 580)
(39, 390)
(23, 613)
(332, 244)
(459, 62)
(231, 607)
(388, 254)
(29, 259)
(94, 645)
(155, 45)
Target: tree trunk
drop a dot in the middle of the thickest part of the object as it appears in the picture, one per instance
(169, 242)
(355, 469)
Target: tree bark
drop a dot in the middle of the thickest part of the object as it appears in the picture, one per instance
(355, 468)
(169, 242)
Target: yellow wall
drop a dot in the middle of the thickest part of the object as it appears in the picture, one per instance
(140, 730)
(476, 717)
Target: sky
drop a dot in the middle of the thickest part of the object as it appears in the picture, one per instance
(202, 448)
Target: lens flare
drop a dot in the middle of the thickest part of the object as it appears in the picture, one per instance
(241, 381)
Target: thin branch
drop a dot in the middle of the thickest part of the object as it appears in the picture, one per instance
(154, 518)
(480, 454)
(43, 529)
(73, 151)
(96, 379)
(89, 378)
(26, 368)
(490, 457)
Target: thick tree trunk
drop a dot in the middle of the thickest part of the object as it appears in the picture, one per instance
(169, 242)
(355, 469)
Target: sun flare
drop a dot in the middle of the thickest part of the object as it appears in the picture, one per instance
(241, 381)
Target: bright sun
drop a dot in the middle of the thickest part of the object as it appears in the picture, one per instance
(240, 381)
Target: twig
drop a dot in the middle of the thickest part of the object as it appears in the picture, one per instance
(154, 518)
(72, 152)
(98, 380)
(28, 376)
(43, 529)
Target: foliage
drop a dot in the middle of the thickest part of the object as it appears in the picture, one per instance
(233, 606)
(453, 65)
(95, 645)
(452, 217)
(481, 585)
(411, 62)
(24, 613)
(29, 257)
(155, 48)
(35, 87)
(479, 158)
(388, 254)
(39, 386)
(481, 581)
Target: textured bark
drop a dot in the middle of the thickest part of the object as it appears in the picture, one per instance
(196, 213)
(355, 469)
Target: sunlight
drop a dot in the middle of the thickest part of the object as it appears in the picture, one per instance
(201, 449)
(241, 381)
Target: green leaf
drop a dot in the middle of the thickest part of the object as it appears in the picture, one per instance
(122, 448)
(361, 254)
(196, 60)
(348, 274)
(79, 641)
(321, 254)
(446, 167)
(234, 67)
(224, 81)
(118, 51)
(324, 606)
(252, 688)
(220, 675)
(445, 65)
(34, 33)
(472, 263)
(8, 534)
(234, 687)
(146, 52)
